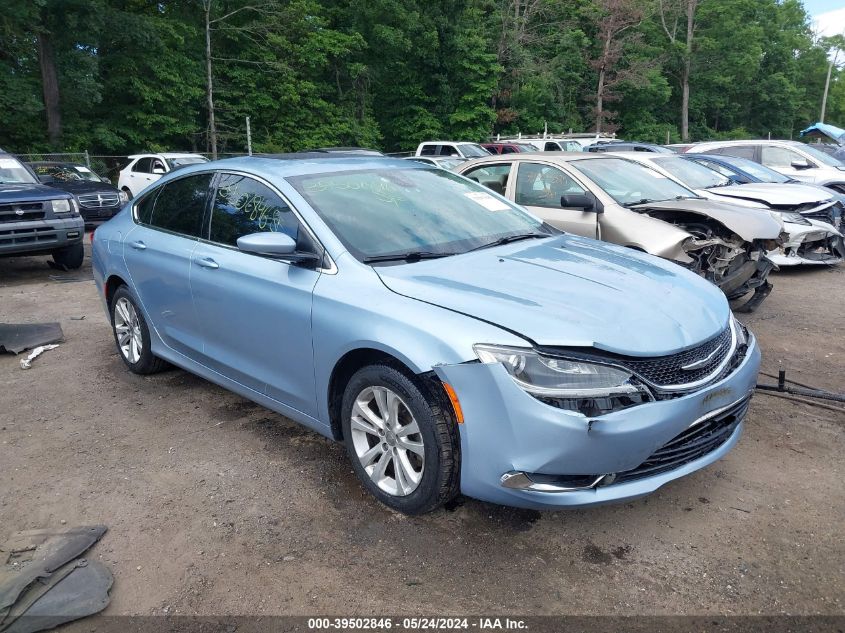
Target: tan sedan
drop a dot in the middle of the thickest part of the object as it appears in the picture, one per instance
(620, 201)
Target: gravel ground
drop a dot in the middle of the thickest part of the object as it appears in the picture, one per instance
(216, 506)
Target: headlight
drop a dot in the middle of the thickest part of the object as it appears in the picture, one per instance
(124, 198)
(740, 331)
(795, 218)
(548, 377)
(61, 206)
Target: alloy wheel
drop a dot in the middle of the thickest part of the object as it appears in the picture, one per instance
(128, 329)
(387, 441)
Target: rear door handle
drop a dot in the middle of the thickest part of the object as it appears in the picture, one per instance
(138, 246)
(207, 262)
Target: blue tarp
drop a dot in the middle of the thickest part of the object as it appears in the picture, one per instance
(825, 129)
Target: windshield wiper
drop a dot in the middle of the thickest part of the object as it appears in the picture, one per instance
(643, 201)
(410, 256)
(508, 239)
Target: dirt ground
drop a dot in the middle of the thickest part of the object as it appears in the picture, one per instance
(217, 506)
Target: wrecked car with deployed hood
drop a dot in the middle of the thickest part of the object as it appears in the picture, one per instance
(451, 340)
(808, 240)
(623, 202)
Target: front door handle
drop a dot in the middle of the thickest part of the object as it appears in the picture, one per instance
(207, 262)
(138, 246)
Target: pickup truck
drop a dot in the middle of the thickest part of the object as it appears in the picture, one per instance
(36, 219)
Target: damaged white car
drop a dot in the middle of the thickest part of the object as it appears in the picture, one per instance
(811, 240)
(620, 201)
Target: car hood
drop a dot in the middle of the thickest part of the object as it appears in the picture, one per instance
(774, 194)
(749, 224)
(84, 186)
(571, 291)
(29, 193)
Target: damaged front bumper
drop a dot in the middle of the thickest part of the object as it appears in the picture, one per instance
(518, 451)
(816, 243)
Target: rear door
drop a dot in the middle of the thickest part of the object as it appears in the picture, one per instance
(158, 251)
(255, 310)
(539, 187)
(139, 175)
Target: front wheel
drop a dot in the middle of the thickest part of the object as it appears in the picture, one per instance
(128, 193)
(132, 335)
(402, 444)
(69, 257)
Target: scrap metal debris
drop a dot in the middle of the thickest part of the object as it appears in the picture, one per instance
(16, 337)
(44, 582)
(26, 363)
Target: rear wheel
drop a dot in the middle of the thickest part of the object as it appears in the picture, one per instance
(69, 257)
(132, 335)
(403, 446)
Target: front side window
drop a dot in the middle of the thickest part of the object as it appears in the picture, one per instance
(448, 150)
(493, 177)
(543, 186)
(551, 147)
(158, 167)
(774, 156)
(243, 206)
(180, 205)
(428, 150)
(383, 212)
(143, 165)
(825, 159)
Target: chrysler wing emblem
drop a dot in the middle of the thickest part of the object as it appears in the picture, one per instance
(702, 362)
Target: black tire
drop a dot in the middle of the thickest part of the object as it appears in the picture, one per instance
(128, 193)
(438, 431)
(69, 257)
(147, 362)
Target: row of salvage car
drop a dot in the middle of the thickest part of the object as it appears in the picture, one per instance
(675, 207)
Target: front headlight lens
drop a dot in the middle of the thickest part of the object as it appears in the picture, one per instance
(795, 218)
(61, 206)
(549, 377)
(740, 331)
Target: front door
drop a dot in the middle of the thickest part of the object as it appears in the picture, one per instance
(539, 188)
(255, 310)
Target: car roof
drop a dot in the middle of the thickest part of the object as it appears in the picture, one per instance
(528, 156)
(167, 155)
(287, 165)
(747, 142)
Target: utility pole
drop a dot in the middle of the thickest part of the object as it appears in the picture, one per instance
(248, 138)
(827, 87)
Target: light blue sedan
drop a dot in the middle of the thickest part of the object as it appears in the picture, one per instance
(451, 340)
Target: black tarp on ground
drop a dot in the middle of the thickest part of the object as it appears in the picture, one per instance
(16, 337)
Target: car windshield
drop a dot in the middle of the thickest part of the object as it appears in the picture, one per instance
(473, 150)
(630, 183)
(825, 159)
(692, 175)
(67, 173)
(758, 171)
(13, 172)
(185, 160)
(450, 163)
(384, 212)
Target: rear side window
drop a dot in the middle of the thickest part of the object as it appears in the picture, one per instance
(180, 205)
(493, 177)
(243, 206)
(740, 151)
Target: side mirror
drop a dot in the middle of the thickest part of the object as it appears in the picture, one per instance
(159, 170)
(801, 163)
(583, 201)
(46, 179)
(276, 245)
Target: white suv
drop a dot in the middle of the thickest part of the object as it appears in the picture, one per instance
(144, 169)
(450, 148)
(794, 159)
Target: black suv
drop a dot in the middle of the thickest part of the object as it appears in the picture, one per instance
(98, 199)
(36, 219)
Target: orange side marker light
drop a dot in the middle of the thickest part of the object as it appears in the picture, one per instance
(456, 405)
